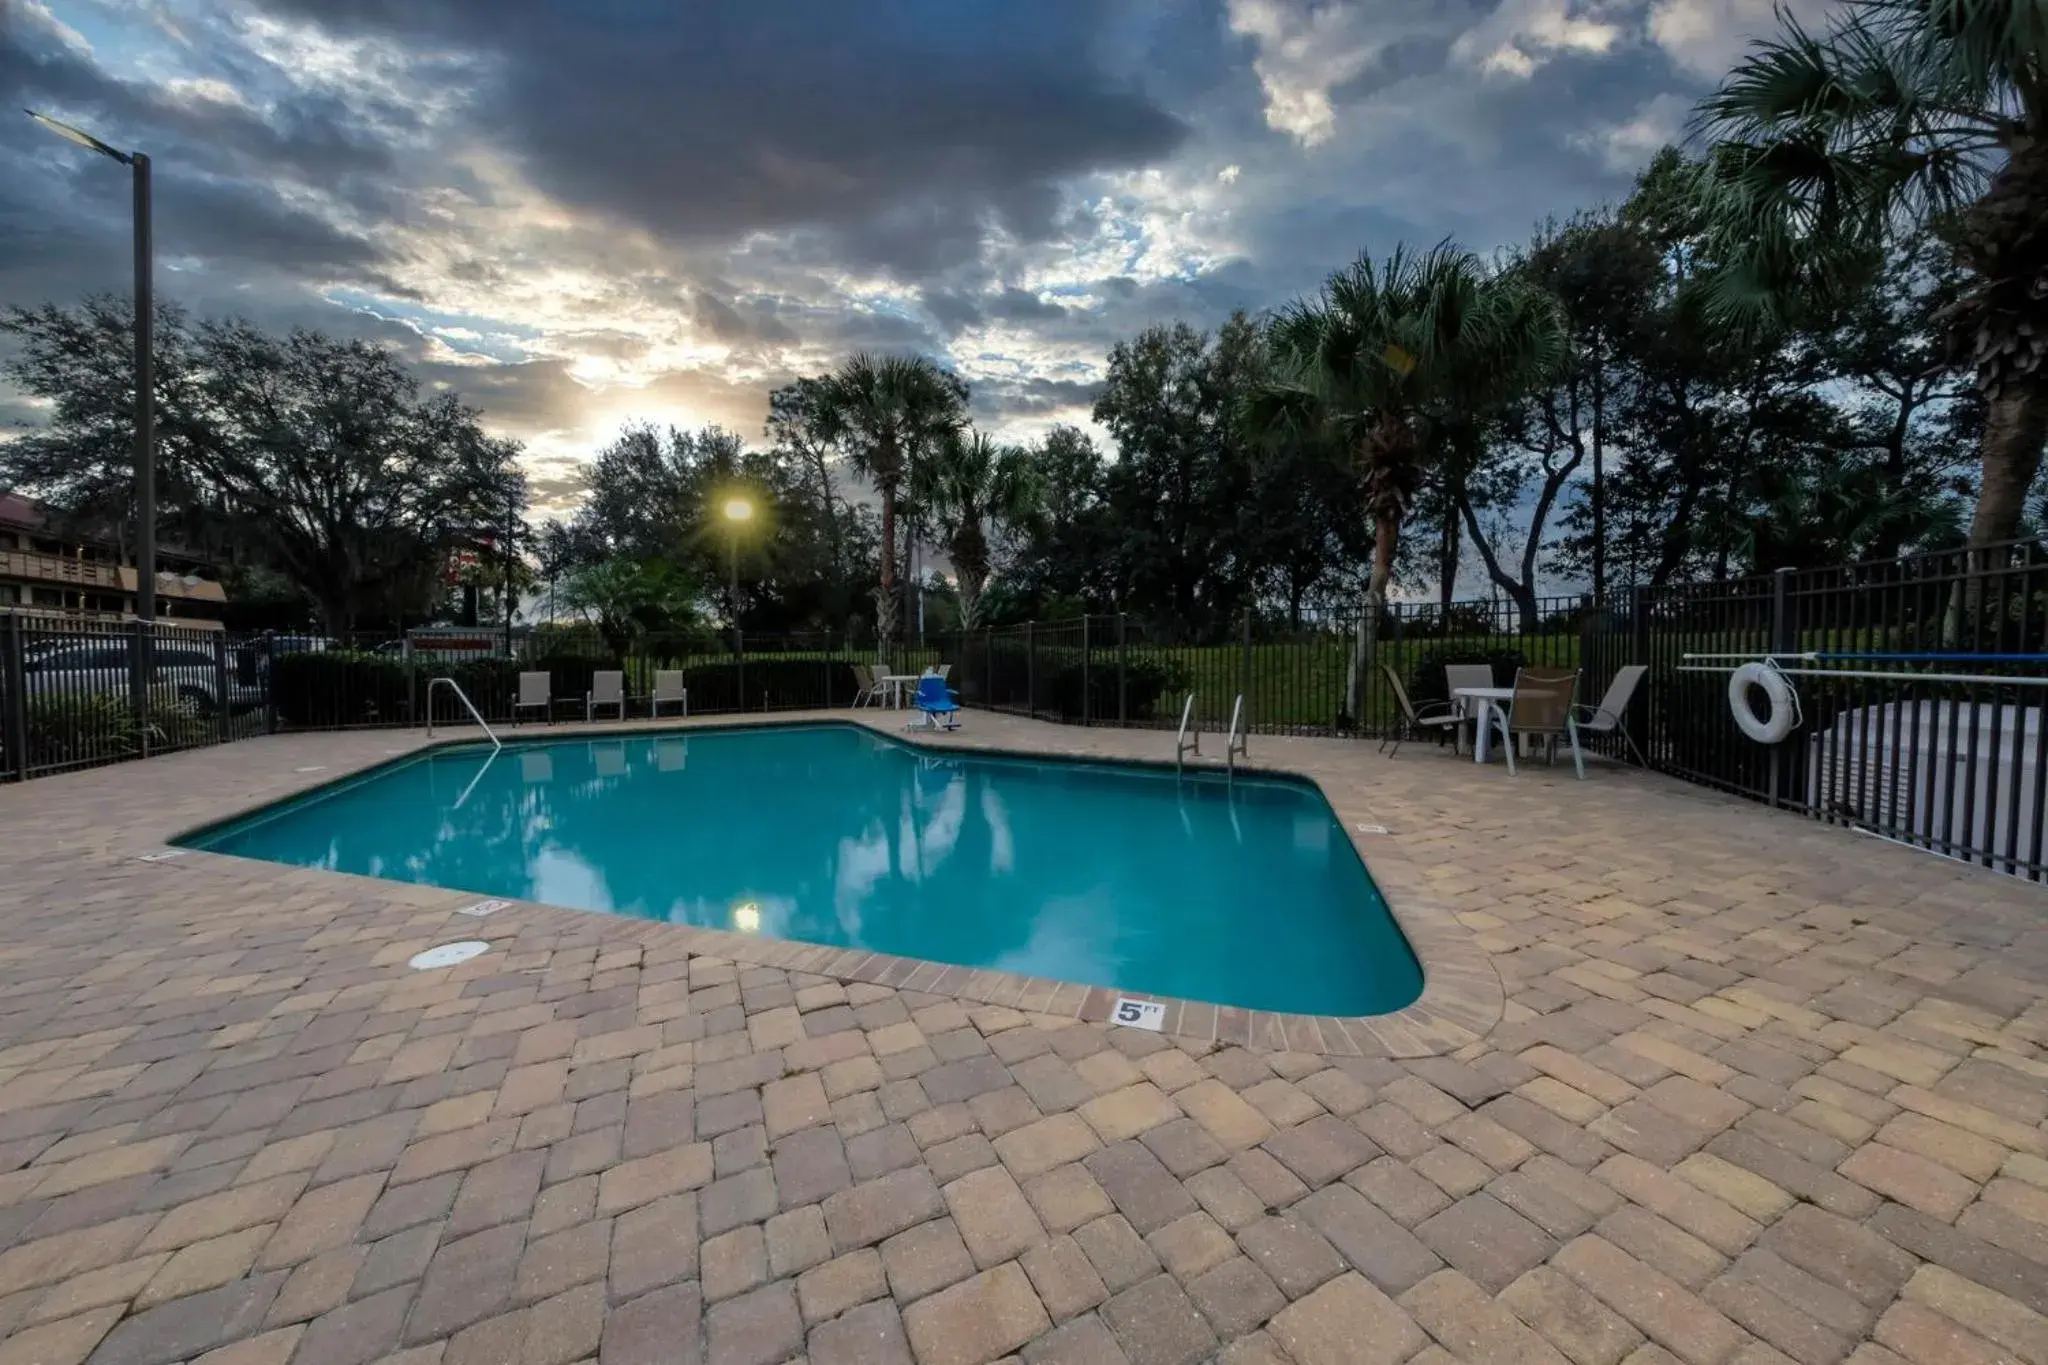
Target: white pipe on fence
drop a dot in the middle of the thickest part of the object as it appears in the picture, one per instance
(1861, 673)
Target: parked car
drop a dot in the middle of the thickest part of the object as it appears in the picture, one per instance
(78, 668)
(301, 644)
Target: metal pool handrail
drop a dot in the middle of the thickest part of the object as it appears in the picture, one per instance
(1237, 744)
(474, 714)
(1182, 745)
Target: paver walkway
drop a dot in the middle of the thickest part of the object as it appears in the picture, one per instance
(1762, 1090)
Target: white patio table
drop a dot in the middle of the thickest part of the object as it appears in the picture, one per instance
(896, 682)
(1487, 698)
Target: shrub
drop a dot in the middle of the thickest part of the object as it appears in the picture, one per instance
(1053, 682)
(67, 730)
(771, 684)
(340, 687)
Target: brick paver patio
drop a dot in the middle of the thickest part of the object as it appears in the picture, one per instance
(1759, 1090)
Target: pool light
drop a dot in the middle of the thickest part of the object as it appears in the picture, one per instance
(746, 917)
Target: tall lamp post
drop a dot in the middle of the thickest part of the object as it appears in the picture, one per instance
(145, 377)
(738, 512)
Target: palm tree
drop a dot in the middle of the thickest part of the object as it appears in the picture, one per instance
(1901, 115)
(887, 412)
(1387, 359)
(971, 485)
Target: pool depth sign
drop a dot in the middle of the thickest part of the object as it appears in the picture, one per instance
(1145, 1014)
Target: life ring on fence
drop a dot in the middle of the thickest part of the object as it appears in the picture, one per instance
(1777, 689)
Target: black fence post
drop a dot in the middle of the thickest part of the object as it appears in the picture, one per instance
(1781, 642)
(1031, 668)
(14, 698)
(223, 700)
(739, 649)
(139, 653)
(1244, 663)
(1643, 722)
(1086, 708)
(269, 685)
(1122, 690)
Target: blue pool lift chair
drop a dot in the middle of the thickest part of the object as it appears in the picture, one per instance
(936, 707)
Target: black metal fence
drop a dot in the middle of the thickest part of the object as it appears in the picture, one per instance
(1317, 674)
(1920, 686)
(79, 694)
(1920, 683)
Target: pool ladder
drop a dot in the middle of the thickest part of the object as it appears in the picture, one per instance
(1189, 739)
(1185, 743)
(1237, 743)
(463, 697)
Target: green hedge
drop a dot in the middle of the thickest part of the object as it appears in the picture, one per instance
(69, 730)
(771, 684)
(1052, 681)
(341, 687)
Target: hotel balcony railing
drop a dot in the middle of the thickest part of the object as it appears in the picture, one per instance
(47, 568)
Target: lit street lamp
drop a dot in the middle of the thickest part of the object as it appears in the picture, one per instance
(737, 510)
(145, 378)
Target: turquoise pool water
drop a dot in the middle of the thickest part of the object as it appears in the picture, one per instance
(1112, 875)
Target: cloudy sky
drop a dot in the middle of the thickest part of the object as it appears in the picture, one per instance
(578, 212)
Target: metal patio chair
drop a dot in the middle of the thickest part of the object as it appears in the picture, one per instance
(1432, 718)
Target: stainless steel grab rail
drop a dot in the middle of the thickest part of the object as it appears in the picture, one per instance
(1237, 744)
(470, 706)
(1182, 745)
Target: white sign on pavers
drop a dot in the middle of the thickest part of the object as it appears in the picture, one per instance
(165, 856)
(1370, 829)
(1145, 1014)
(483, 908)
(447, 955)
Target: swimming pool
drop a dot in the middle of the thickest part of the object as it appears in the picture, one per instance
(1111, 875)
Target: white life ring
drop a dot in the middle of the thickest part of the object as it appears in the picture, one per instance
(1777, 689)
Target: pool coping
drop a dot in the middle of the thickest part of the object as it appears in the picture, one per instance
(1462, 996)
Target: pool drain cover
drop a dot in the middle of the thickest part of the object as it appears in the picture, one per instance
(447, 955)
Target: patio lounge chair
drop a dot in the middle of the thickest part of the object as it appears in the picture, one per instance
(1438, 718)
(935, 704)
(534, 695)
(1542, 708)
(1611, 715)
(668, 686)
(607, 688)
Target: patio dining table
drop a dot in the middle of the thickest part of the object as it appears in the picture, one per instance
(896, 682)
(1487, 699)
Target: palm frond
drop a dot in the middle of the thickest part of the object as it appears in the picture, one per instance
(2003, 40)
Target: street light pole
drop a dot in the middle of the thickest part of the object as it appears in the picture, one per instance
(737, 511)
(145, 366)
(145, 398)
(511, 532)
